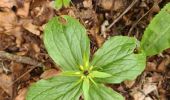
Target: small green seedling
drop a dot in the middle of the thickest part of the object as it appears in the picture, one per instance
(62, 3)
(83, 77)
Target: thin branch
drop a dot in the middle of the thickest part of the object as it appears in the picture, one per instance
(118, 18)
(20, 59)
(134, 25)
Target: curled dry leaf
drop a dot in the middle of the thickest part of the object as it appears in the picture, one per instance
(31, 28)
(35, 47)
(49, 73)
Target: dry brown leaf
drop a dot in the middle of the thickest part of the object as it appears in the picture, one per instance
(35, 47)
(24, 11)
(8, 22)
(107, 4)
(31, 28)
(142, 94)
(7, 3)
(21, 94)
(49, 73)
(151, 66)
(162, 66)
(87, 3)
(9, 25)
(5, 83)
(118, 5)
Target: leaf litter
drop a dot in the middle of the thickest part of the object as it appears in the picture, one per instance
(21, 33)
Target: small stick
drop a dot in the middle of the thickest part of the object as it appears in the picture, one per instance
(20, 59)
(22, 76)
(133, 26)
(118, 18)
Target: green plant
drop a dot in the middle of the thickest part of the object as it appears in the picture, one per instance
(81, 75)
(62, 3)
(156, 37)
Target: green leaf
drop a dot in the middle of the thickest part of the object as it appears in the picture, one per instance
(116, 57)
(156, 37)
(98, 74)
(56, 88)
(66, 3)
(58, 4)
(66, 42)
(102, 92)
(86, 86)
(71, 73)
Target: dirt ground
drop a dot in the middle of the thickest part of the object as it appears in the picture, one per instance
(22, 51)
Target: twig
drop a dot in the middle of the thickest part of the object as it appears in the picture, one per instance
(20, 59)
(22, 76)
(133, 26)
(79, 15)
(118, 18)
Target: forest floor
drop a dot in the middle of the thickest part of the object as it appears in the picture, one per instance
(22, 50)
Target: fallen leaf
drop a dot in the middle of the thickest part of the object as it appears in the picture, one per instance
(151, 66)
(21, 94)
(148, 98)
(49, 73)
(8, 22)
(5, 83)
(35, 47)
(162, 66)
(31, 28)
(139, 94)
(87, 3)
(24, 11)
(107, 4)
(7, 3)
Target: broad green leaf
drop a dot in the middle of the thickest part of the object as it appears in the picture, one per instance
(128, 69)
(156, 37)
(56, 88)
(58, 4)
(116, 57)
(66, 42)
(102, 92)
(98, 74)
(86, 86)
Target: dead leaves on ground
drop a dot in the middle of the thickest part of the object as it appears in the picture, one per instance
(21, 29)
(21, 33)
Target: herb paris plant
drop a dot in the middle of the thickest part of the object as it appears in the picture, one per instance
(68, 45)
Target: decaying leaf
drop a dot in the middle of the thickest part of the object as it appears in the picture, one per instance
(24, 11)
(7, 3)
(5, 83)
